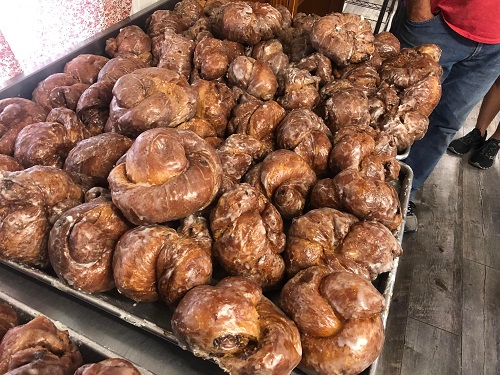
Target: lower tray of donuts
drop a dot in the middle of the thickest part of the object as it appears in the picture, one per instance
(155, 317)
(91, 351)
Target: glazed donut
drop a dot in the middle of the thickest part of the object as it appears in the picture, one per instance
(338, 316)
(344, 37)
(8, 318)
(285, 179)
(15, 114)
(150, 98)
(38, 347)
(59, 90)
(246, 22)
(305, 133)
(170, 264)
(82, 242)
(367, 198)
(248, 236)
(131, 40)
(108, 366)
(31, 201)
(236, 326)
(213, 56)
(168, 174)
(332, 238)
(85, 67)
(91, 160)
(253, 76)
(48, 143)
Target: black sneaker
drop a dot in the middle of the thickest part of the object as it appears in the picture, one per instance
(466, 143)
(411, 223)
(485, 156)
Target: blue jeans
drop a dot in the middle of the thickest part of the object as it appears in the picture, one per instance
(469, 70)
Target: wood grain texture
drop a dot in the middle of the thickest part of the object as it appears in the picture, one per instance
(481, 320)
(430, 350)
(436, 290)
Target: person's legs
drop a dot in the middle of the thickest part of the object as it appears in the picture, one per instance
(467, 82)
(489, 108)
(469, 70)
(476, 138)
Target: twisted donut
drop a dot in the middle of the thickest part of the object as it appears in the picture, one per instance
(168, 174)
(248, 236)
(236, 326)
(82, 242)
(338, 316)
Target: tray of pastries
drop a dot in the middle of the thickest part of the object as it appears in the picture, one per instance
(222, 175)
(32, 343)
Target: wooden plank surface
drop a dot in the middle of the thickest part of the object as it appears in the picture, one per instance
(436, 289)
(430, 350)
(481, 320)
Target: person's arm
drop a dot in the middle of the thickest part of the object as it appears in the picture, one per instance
(418, 10)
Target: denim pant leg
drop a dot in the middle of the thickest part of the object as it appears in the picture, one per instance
(469, 70)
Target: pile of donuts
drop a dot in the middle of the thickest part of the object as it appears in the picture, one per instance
(39, 347)
(228, 138)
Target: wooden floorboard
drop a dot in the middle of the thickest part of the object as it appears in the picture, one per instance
(481, 320)
(445, 317)
(436, 289)
(430, 350)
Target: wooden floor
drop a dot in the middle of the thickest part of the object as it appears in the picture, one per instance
(445, 314)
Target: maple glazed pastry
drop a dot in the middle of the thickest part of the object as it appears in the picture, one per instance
(365, 197)
(248, 236)
(31, 201)
(82, 242)
(167, 175)
(8, 318)
(38, 347)
(131, 40)
(285, 179)
(169, 263)
(236, 326)
(91, 160)
(150, 98)
(15, 114)
(336, 239)
(85, 67)
(339, 318)
(48, 143)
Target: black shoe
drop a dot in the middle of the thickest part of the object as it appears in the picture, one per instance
(411, 223)
(485, 156)
(466, 143)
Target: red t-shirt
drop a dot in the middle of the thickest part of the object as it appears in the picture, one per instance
(478, 20)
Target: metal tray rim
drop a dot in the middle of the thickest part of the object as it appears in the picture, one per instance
(79, 339)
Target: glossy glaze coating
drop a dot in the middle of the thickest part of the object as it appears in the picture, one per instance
(131, 40)
(367, 198)
(253, 76)
(285, 179)
(85, 67)
(248, 236)
(110, 366)
(176, 165)
(345, 38)
(38, 347)
(236, 326)
(15, 114)
(8, 318)
(32, 200)
(82, 242)
(338, 316)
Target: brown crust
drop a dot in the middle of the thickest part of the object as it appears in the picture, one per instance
(338, 316)
(236, 326)
(81, 245)
(188, 183)
(248, 235)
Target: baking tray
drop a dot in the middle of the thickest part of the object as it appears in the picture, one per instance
(155, 317)
(404, 154)
(91, 351)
